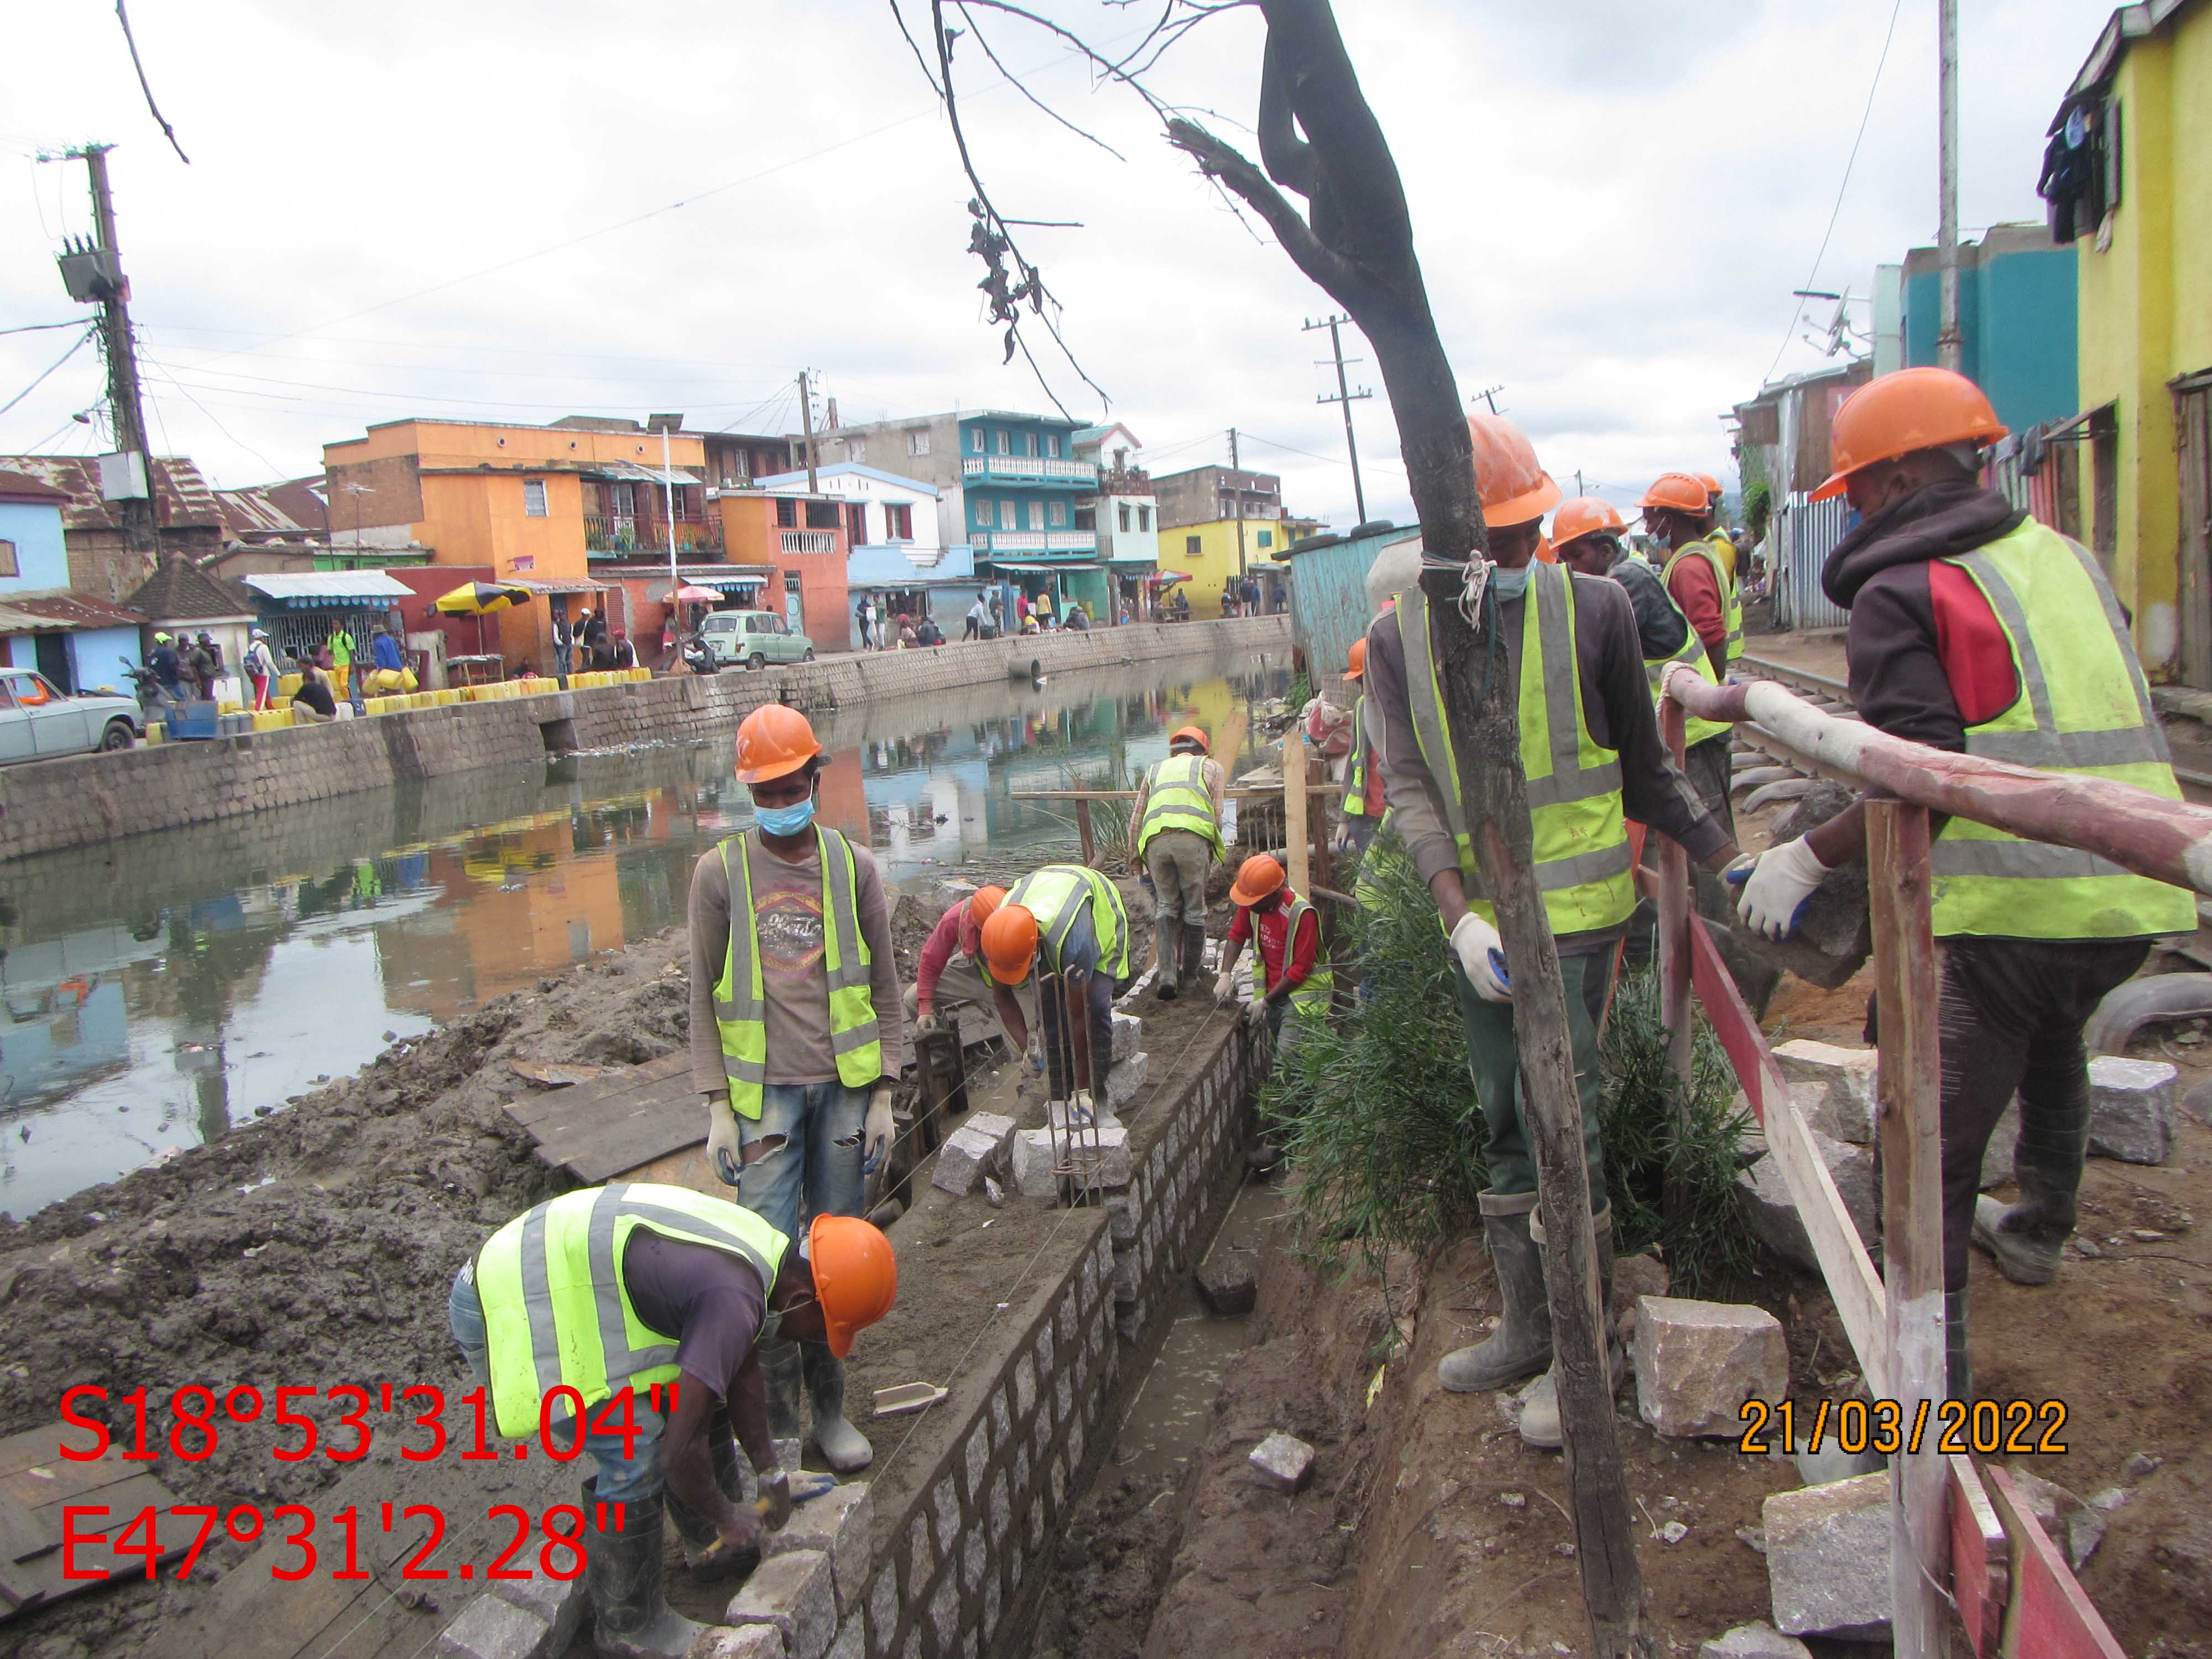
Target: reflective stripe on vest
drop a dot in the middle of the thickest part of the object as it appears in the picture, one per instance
(1694, 731)
(1177, 798)
(1355, 769)
(1582, 860)
(1312, 994)
(1731, 600)
(555, 1308)
(2083, 708)
(1055, 895)
(741, 1002)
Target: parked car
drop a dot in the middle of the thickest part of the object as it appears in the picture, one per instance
(754, 638)
(38, 722)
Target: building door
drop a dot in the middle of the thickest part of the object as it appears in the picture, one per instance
(794, 606)
(2192, 422)
(54, 660)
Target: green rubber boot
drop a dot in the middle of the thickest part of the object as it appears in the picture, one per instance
(1521, 1345)
(631, 1618)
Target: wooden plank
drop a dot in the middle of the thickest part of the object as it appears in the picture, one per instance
(59, 1479)
(40, 1580)
(595, 1130)
(23, 1534)
(541, 1105)
(1845, 1264)
(1908, 1121)
(1981, 1566)
(2049, 1616)
(1085, 833)
(1296, 838)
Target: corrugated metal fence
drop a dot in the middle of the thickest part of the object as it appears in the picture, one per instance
(1805, 533)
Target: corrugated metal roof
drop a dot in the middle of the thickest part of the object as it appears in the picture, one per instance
(181, 497)
(72, 611)
(305, 586)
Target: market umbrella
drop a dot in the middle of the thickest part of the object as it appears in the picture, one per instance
(480, 599)
(688, 594)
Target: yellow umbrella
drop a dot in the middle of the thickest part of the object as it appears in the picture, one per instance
(479, 599)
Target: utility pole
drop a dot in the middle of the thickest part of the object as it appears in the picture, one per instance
(1489, 395)
(1345, 396)
(95, 273)
(675, 581)
(1949, 346)
(806, 415)
(1237, 483)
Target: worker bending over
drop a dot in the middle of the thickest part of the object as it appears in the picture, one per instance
(613, 1290)
(1363, 767)
(948, 977)
(1591, 752)
(1178, 819)
(1587, 537)
(797, 1029)
(1700, 564)
(1285, 931)
(1976, 630)
(1067, 922)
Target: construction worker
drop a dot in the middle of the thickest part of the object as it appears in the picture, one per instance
(948, 976)
(1590, 750)
(1178, 819)
(796, 1029)
(610, 1292)
(1698, 571)
(1363, 767)
(1976, 630)
(1067, 921)
(1587, 536)
(1285, 931)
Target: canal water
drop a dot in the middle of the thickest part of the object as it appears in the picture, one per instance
(160, 990)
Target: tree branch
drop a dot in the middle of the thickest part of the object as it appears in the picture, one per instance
(1344, 279)
(920, 63)
(1287, 157)
(1015, 81)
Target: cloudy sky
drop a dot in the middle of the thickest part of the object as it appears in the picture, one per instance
(520, 211)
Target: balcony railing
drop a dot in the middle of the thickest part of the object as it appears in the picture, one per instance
(810, 541)
(614, 537)
(1031, 469)
(1037, 541)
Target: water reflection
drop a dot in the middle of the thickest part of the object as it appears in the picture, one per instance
(158, 991)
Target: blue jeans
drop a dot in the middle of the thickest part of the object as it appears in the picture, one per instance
(635, 1479)
(814, 1168)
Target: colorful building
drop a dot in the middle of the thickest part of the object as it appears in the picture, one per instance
(2129, 175)
(1218, 523)
(73, 638)
(2018, 320)
(186, 519)
(1125, 513)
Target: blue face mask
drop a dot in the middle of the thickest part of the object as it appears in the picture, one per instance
(1511, 584)
(785, 820)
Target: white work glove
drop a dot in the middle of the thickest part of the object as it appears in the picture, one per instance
(1481, 955)
(1224, 986)
(724, 1156)
(876, 1132)
(928, 1024)
(1776, 884)
(1082, 1108)
(1256, 1013)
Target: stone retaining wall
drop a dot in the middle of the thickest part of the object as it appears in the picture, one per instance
(49, 804)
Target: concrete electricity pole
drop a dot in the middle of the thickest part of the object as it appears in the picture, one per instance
(1345, 396)
(1237, 483)
(806, 416)
(1949, 346)
(96, 274)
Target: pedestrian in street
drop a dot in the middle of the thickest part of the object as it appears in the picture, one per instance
(1284, 932)
(564, 641)
(906, 638)
(979, 618)
(1250, 593)
(341, 646)
(949, 978)
(169, 667)
(1228, 596)
(389, 661)
(1698, 565)
(625, 652)
(1177, 813)
(863, 615)
(927, 632)
(1078, 619)
(260, 669)
(1977, 630)
(201, 665)
(603, 1294)
(998, 616)
(315, 701)
(1068, 923)
(598, 641)
(1571, 645)
(1022, 611)
(797, 1029)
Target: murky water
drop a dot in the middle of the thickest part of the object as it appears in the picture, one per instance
(159, 990)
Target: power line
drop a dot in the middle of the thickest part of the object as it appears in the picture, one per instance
(1866, 115)
(32, 328)
(78, 346)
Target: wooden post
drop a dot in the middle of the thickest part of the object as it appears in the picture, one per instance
(1296, 800)
(1485, 732)
(1083, 829)
(1910, 1128)
(1674, 955)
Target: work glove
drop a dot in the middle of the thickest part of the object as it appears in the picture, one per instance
(876, 1133)
(724, 1155)
(775, 1504)
(1224, 986)
(1778, 885)
(1481, 958)
(1082, 1108)
(1256, 1013)
(1036, 1055)
(928, 1024)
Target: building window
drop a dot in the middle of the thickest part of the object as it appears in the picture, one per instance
(1009, 515)
(1028, 443)
(1267, 539)
(625, 499)
(1190, 546)
(786, 512)
(1086, 517)
(533, 498)
(1060, 515)
(822, 515)
(917, 441)
(1052, 444)
(982, 513)
(1036, 515)
(9, 566)
(1144, 518)
(1005, 442)
(856, 523)
(898, 521)
(1124, 513)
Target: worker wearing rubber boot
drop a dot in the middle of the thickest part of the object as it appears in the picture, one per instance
(561, 1298)
(796, 1029)
(1363, 768)
(1287, 975)
(1591, 751)
(1068, 923)
(948, 981)
(1587, 536)
(1700, 564)
(1178, 818)
(1976, 630)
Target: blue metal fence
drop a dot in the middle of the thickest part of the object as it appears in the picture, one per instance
(1805, 533)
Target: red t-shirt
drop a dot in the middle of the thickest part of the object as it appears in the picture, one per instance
(1697, 591)
(1976, 659)
(1305, 950)
(955, 930)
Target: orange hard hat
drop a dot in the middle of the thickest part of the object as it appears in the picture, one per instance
(1514, 488)
(1911, 410)
(774, 740)
(1256, 877)
(855, 1276)
(1713, 484)
(1010, 943)
(1190, 734)
(1579, 517)
(1355, 664)
(982, 902)
(1683, 491)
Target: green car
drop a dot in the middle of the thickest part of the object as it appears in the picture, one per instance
(754, 638)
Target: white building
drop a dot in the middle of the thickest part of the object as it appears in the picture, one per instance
(882, 510)
(1125, 512)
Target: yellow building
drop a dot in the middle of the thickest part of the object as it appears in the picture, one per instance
(1207, 554)
(2138, 120)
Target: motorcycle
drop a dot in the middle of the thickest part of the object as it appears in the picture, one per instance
(152, 701)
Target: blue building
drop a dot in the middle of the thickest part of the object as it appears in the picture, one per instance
(2018, 303)
(1019, 484)
(75, 640)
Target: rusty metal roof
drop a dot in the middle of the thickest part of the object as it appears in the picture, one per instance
(20, 486)
(181, 497)
(51, 611)
(294, 509)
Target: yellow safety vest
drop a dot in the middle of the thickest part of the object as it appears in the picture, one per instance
(1731, 601)
(2083, 708)
(1355, 770)
(1055, 895)
(555, 1308)
(741, 1003)
(1313, 996)
(1583, 863)
(1694, 731)
(1177, 798)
